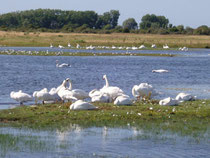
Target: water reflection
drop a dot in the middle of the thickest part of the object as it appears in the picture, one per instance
(105, 141)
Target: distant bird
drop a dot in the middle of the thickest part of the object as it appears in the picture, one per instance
(183, 49)
(153, 46)
(51, 46)
(20, 96)
(82, 105)
(134, 48)
(168, 101)
(165, 46)
(62, 65)
(69, 45)
(78, 46)
(142, 47)
(90, 47)
(143, 90)
(160, 71)
(60, 46)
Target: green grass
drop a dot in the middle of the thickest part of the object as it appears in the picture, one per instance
(187, 118)
(40, 39)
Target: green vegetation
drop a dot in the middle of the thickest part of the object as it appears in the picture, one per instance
(187, 118)
(41, 39)
(55, 20)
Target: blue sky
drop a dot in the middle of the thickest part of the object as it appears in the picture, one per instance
(186, 12)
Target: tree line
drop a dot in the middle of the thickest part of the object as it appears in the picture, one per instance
(55, 20)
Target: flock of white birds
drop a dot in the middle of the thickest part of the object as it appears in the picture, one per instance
(107, 94)
(91, 47)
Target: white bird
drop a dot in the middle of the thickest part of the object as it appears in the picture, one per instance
(165, 46)
(62, 65)
(134, 48)
(98, 96)
(153, 46)
(43, 95)
(82, 105)
(60, 46)
(78, 46)
(20, 96)
(64, 93)
(63, 85)
(51, 46)
(78, 93)
(112, 91)
(69, 45)
(123, 100)
(142, 47)
(143, 90)
(168, 101)
(183, 49)
(160, 71)
(185, 97)
(90, 47)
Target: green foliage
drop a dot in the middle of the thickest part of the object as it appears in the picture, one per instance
(154, 21)
(202, 30)
(130, 24)
(57, 19)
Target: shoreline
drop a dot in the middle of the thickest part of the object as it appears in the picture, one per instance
(190, 116)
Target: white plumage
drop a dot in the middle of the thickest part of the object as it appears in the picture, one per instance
(168, 101)
(160, 71)
(123, 100)
(112, 91)
(20, 96)
(62, 65)
(44, 96)
(81, 105)
(78, 93)
(143, 90)
(185, 97)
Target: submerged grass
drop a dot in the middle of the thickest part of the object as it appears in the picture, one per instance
(187, 118)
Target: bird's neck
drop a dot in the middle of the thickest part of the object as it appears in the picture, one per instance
(70, 85)
(107, 83)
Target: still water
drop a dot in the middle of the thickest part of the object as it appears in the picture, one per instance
(187, 73)
(76, 141)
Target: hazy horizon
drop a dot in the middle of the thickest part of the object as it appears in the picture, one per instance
(191, 13)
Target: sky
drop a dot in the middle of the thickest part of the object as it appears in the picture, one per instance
(191, 13)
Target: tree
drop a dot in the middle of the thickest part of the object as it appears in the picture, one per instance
(130, 24)
(189, 30)
(152, 20)
(202, 30)
(110, 18)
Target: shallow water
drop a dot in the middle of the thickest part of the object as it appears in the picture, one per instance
(76, 141)
(188, 74)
